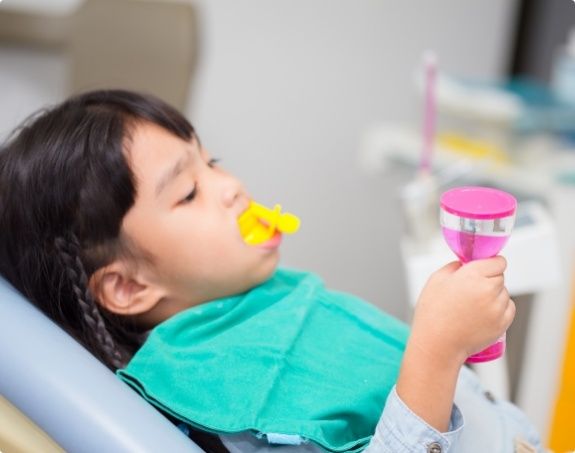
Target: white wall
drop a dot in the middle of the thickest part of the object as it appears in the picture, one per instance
(284, 90)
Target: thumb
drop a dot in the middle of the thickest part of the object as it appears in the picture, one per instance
(448, 269)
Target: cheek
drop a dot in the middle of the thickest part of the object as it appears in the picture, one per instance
(200, 245)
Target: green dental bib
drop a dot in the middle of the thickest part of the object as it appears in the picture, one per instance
(287, 360)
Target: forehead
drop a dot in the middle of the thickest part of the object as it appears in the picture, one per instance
(150, 138)
(151, 148)
(157, 157)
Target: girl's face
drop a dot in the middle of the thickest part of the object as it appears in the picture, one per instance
(185, 218)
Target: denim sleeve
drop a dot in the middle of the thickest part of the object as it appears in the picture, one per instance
(492, 424)
(399, 429)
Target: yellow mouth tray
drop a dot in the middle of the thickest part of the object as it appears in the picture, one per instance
(258, 223)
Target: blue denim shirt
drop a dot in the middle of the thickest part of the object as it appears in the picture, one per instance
(479, 424)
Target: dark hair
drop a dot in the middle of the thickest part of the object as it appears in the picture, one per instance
(65, 186)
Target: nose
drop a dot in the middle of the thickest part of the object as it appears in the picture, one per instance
(232, 189)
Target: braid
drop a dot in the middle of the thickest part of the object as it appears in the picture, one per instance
(66, 170)
(69, 253)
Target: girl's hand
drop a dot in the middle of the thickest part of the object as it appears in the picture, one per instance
(462, 309)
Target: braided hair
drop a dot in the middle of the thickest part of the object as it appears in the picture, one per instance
(65, 186)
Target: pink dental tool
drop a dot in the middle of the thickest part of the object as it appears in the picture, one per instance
(476, 223)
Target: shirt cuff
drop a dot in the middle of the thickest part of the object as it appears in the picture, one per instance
(399, 429)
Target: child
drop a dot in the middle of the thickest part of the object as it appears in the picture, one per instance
(117, 224)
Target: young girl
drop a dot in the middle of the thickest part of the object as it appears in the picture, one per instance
(117, 224)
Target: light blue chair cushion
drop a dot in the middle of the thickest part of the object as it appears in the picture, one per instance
(69, 394)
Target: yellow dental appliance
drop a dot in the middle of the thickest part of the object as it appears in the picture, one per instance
(258, 223)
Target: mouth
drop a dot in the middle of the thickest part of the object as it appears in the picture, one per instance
(272, 243)
(258, 232)
(262, 227)
(254, 229)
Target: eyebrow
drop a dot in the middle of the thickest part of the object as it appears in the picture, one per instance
(172, 173)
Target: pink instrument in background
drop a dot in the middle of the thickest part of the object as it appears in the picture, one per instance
(429, 111)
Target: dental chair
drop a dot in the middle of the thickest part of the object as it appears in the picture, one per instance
(55, 396)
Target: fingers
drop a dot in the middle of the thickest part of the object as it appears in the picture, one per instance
(508, 308)
(490, 267)
(493, 267)
(498, 280)
(510, 312)
(449, 268)
(502, 309)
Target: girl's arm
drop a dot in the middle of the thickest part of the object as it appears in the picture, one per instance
(461, 311)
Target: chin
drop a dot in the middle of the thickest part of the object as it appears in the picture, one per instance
(266, 272)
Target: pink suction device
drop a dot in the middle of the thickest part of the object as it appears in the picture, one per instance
(476, 223)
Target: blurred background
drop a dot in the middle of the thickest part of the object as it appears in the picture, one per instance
(315, 104)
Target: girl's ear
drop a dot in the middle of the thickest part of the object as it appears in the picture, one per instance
(120, 289)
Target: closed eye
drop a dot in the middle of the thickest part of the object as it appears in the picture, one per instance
(190, 196)
(211, 163)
